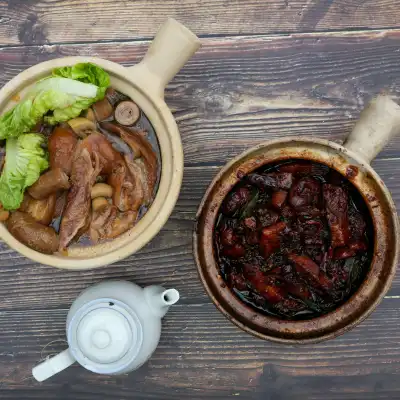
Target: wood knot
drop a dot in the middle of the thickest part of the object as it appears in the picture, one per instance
(32, 31)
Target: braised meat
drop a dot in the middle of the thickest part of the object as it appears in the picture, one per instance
(294, 239)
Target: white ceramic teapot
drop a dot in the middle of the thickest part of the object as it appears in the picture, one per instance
(112, 328)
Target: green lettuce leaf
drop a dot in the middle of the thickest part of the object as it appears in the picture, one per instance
(87, 73)
(25, 161)
(56, 99)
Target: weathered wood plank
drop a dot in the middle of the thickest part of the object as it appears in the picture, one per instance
(237, 92)
(60, 21)
(234, 93)
(167, 260)
(203, 356)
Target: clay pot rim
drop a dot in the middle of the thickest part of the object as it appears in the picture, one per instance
(204, 271)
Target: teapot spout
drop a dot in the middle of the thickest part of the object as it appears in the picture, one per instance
(159, 299)
(169, 297)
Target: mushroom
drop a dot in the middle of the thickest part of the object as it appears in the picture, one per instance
(101, 190)
(89, 114)
(99, 203)
(127, 113)
(102, 109)
(82, 126)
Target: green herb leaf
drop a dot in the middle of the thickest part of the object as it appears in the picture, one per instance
(247, 210)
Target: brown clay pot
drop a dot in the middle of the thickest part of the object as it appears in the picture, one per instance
(377, 124)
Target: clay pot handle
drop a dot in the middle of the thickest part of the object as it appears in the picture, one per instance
(171, 48)
(378, 122)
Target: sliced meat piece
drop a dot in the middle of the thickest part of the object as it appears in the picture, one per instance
(304, 192)
(266, 286)
(304, 264)
(122, 224)
(102, 221)
(108, 156)
(343, 252)
(41, 210)
(350, 251)
(141, 192)
(62, 143)
(336, 204)
(279, 198)
(126, 181)
(107, 224)
(140, 148)
(308, 268)
(235, 251)
(273, 180)
(84, 174)
(274, 294)
(123, 183)
(50, 182)
(270, 240)
(31, 233)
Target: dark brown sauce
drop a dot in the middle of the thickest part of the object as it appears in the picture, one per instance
(142, 124)
(294, 240)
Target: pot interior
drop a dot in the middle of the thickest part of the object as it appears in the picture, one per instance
(383, 264)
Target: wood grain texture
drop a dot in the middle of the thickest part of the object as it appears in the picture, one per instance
(235, 93)
(202, 356)
(59, 21)
(238, 92)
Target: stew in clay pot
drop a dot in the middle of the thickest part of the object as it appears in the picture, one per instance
(294, 239)
(87, 169)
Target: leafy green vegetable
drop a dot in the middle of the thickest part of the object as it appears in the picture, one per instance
(25, 160)
(87, 73)
(56, 99)
(248, 208)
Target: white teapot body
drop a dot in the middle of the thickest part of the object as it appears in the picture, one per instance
(112, 328)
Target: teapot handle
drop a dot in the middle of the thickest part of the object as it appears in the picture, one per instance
(171, 48)
(53, 365)
(378, 122)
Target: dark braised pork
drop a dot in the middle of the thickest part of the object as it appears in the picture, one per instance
(293, 239)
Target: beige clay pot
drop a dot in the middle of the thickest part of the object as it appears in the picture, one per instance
(173, 45)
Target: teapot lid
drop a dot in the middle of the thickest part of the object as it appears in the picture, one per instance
(105, 336)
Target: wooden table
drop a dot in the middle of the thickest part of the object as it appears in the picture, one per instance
(267, 68)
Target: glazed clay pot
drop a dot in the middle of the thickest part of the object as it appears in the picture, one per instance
(377, 124)
(144, 83)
